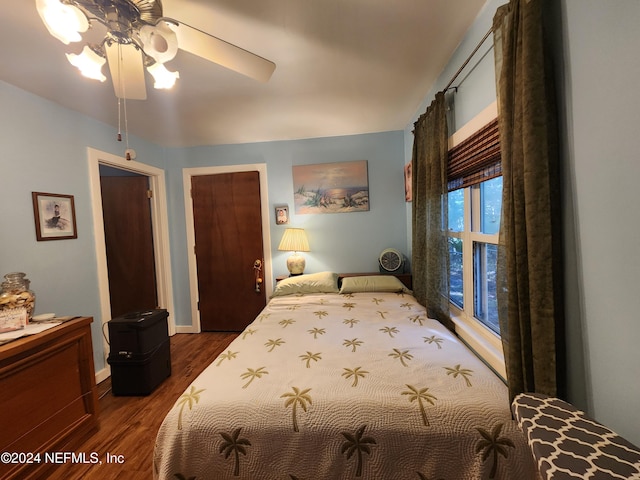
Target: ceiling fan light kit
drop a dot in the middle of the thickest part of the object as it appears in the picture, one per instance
(64, 22)
(142, 37)
(160, 42)
(89, 63)
(138, 36)
(164, 79)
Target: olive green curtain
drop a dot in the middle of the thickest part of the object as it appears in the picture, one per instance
(430, 253)
(530, 297)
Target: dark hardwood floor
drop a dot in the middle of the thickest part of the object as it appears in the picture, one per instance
(128, 425)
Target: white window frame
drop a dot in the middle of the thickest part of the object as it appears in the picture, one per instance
(484, 341)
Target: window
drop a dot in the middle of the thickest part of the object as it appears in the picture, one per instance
(474, 207)
(456, 228)
(474, 222)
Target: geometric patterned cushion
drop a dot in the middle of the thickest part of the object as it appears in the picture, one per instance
(568, 445)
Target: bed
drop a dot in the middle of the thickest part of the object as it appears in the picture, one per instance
(339, 381)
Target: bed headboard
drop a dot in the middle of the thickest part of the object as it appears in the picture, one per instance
(405, 278)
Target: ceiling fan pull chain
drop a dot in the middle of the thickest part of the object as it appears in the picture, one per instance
(121, 82)
(119, 134)
(123, 88)
(126, 132)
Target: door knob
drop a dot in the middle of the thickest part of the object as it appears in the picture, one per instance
(257, 268)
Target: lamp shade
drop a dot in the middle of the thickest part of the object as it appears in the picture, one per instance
(64, 22)
(89, 63)
(294, 240)
(159, 41)
(164, 79)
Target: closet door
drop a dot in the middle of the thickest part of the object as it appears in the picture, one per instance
(228, 235)
(126, 209)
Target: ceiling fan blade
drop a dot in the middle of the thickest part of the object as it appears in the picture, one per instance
(127, 71)
(223, 53)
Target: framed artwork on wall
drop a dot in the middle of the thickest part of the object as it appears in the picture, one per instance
(55, 216)
(282, 214)
(331, 187)
(408, 191)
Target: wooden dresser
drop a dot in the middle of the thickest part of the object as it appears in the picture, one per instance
(48, 396)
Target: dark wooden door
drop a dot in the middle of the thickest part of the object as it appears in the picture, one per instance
(129, 243)
(228, 234)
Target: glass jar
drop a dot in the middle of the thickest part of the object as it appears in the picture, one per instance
(16, 293)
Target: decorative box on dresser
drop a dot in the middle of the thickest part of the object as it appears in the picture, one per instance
(48, 397)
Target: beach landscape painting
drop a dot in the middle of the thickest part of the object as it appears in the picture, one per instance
(340, 187)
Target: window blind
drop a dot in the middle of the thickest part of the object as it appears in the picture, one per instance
(476, 159)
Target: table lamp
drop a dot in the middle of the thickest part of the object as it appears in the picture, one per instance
(294, 240)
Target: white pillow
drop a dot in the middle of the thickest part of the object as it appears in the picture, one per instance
(372, 283)
(323, 282)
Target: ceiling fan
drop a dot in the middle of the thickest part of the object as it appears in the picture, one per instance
(139, 36)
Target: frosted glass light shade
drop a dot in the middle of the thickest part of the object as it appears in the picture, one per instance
(164, 79)
(159, 42)
(64, 22)
(89, 63)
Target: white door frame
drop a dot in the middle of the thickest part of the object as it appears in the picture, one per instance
(159, 221)
(187, 174)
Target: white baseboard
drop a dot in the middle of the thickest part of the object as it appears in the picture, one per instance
(103, 374)
(186, 329)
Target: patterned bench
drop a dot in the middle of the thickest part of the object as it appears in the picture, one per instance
(568, 445)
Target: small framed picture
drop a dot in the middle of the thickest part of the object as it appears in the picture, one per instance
(282, 214)
(55, 216)
(408, 193)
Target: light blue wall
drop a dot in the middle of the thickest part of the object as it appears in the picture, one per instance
(341, 242)
(596, 57)
(43, 148)
(601, 41)
(475, 83)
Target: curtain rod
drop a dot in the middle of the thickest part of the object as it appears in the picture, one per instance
(455, 75)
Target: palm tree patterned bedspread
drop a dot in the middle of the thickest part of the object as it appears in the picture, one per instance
(330, 386)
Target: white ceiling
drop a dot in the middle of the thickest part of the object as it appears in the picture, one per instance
(342, 67)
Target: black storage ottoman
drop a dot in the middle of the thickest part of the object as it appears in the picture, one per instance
(140, 354)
